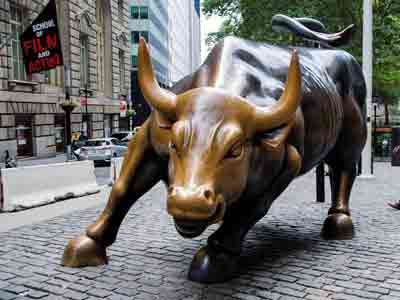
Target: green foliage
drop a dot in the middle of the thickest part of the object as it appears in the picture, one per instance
(131, 112)
(252, 20)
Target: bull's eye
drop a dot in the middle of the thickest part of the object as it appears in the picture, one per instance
(235, 151)
(172, 146)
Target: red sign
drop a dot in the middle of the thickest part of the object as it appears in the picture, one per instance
(41, 42)
(122, 108)
(83, 100)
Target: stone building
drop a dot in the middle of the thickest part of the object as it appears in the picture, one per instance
(96, 50)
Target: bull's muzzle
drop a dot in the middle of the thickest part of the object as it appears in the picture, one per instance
(193, 209)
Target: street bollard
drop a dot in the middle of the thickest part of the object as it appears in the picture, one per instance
(320, 182)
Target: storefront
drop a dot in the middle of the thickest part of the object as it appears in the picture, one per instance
(107, 126)
(124, 124)
(23, 126)
(59, 130)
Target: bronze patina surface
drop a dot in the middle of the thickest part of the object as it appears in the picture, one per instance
(227, 141)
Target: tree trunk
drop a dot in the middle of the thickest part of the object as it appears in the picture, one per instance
(386, 114)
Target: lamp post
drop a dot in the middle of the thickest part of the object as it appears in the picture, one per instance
(68, 106)
(366, 166)
(373, 139)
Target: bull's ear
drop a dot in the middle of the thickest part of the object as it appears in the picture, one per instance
(275, 138)
(162, 121)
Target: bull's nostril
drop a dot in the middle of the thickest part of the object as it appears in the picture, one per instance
(208, 194)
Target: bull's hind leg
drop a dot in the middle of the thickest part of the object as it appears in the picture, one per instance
(140, 171)
(342, 161)
(218, 261)
(338, 224)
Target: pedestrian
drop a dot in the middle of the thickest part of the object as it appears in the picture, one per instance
(395, 205)
(9, 161)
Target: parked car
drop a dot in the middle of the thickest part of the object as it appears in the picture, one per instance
(102, 149)
(121, 135)
(126, 136)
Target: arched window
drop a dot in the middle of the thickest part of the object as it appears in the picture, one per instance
(122, 45)
(100, 45)
(17, 16)
(104, 47)
(84, 51)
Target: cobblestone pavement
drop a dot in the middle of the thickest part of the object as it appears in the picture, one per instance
(284, 257)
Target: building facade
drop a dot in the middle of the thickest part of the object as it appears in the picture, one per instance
(172, 30)
(149, 19)
(96, 72)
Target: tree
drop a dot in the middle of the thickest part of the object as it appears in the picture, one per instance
(252, 20)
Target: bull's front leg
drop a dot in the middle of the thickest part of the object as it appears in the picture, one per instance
(338, 225)
(140, 171)
(218, 261)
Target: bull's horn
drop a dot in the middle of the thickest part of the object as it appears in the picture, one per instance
(283, 111)
(160, 99)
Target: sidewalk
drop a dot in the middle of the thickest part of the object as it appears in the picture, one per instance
(284, 257)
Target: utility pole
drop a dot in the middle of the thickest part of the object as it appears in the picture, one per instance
(366, 171)
(68, 107)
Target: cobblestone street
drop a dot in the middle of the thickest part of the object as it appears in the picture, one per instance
(284, 257)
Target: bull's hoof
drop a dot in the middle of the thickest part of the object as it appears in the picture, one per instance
(211, 266)
(84, 251)
(338, 226)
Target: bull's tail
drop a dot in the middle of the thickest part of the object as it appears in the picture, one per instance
(310, 29)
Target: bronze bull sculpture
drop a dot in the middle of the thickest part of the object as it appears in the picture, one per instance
(229, 139)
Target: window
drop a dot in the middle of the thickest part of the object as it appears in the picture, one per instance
(84, 60)
(121, 70)
(145, 34)
(54, 76)
(134, 61)
(121, 10)
(135, 37)
(139, 12)
(144, 12)
(135, 12)
(115, 142)
(17, 66)
(100, 46)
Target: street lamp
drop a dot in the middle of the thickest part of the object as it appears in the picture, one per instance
(68, 106)
(367, 169)
(85, 119)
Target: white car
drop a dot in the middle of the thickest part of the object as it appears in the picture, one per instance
(102, 149)
(125, 136)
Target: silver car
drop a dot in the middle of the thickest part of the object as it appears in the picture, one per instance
(102, 149)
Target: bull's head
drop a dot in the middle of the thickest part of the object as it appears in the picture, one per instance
(211, 136)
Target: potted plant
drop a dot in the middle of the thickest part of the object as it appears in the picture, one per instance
(131, 113)
(69, 105)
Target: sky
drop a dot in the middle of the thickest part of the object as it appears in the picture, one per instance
(208, 24)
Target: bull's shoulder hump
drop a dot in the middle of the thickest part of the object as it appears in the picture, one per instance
(183, 85)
